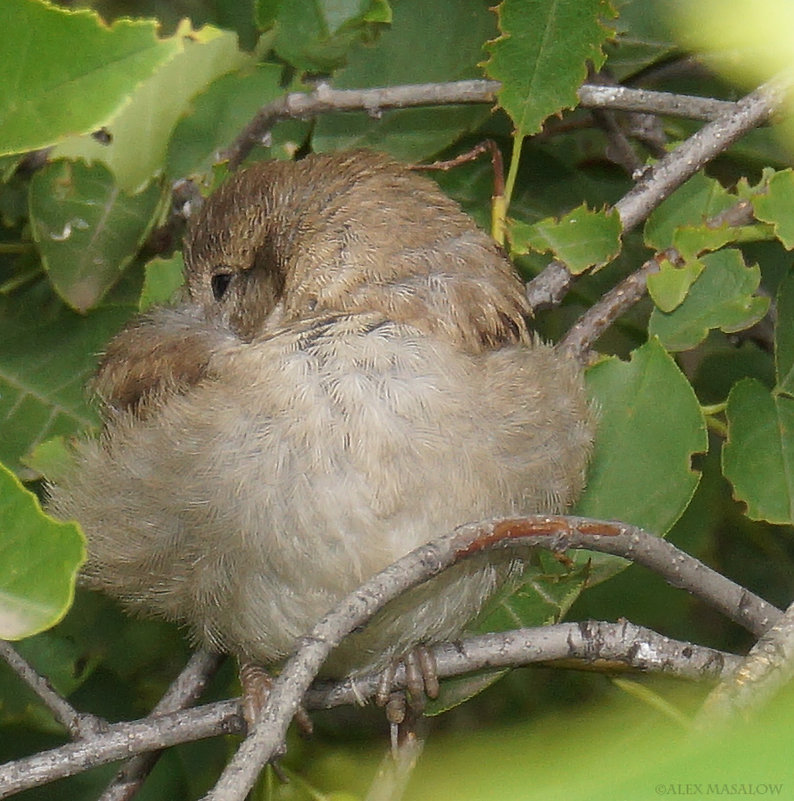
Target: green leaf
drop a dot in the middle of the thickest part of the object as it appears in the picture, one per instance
(218, 115)
(52, 458)
(784, 336)
(163, 279)
(66, 72)
(141, 132)
(87, 228)
(581, 238)
(692, 241)
(690, 205)
(721, 297)
(777, 206)
(758, 455)
(542, 55)
(670, 285)
(316, 36)
(39, 559)
(548, 589)
(47, 353)
(650, 424)
(453, 32)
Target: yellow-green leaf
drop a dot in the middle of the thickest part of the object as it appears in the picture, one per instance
(65, 72)
(39, 559)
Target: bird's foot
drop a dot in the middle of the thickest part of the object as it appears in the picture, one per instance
(256, 684)
(404, 707)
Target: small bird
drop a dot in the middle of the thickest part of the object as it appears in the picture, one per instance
(349, 375)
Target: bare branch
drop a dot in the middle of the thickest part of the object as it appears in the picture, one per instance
(556, 533)
(78, 724)
(119, 741)
(768, 666)
(644, 101)
(611, 646)
(611, 305)
(324, 99)
(549, 287)
(624, 645)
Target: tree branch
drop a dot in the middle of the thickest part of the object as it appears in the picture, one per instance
(768, 666)
(324, 99)
(78, 724)
(549, 287)
(557, 533)
(611, 646)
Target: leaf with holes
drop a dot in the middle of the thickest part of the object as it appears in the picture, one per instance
(692, 204)
(758, 455)
(140, 133)
(649, 427)
(670, 285)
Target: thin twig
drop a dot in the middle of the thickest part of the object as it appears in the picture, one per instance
(659, 181)
(556, 533)
(324, 99)
(184, 691)
(78, 724)
(611, 305)
(768, 666)
(645, 101)
(618, 149)
(612, 646)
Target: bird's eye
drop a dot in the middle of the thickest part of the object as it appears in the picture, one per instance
(220, 283)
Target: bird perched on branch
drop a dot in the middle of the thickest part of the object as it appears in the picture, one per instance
(350, 375)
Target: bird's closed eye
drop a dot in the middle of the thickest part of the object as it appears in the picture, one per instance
(220, 283)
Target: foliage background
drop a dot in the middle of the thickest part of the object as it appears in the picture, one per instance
(82, 248)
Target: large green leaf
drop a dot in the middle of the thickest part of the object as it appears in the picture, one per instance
(87, 228)
(47, 353)
(721, 297)
(65, 72)
(543, 53)
(758, 456)
(453, 33)
(650, 425)
(39, 558)
(141, 132)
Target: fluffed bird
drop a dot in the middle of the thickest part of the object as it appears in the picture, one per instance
(350, 374)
